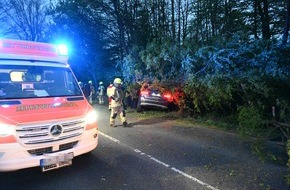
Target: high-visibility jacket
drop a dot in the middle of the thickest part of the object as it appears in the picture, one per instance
(116, 97)
(101, 90)
(109, 92)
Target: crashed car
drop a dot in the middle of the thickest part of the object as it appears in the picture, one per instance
(153, 96)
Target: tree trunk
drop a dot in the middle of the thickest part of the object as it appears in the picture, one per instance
(255, 27)
(287, 24)
(185, 14)
(173, 20)
(179, 22)
(265, 19)
(121, 27)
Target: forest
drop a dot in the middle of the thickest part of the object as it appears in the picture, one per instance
(227, 59)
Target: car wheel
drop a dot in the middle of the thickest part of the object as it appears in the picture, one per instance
(139, 107)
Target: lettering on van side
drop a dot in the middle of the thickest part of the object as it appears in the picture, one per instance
(28, 46)
(44, 106)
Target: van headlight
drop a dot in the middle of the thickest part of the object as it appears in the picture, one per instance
(5, 130)
(91, 117)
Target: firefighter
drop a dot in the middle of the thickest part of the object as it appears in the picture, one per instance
(91, 92)
(81, 85)
(116, 103)
(87, 91)
(109, 92)
(101, 92)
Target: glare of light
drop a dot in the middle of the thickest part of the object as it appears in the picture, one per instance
(5, 130)
(91, 117)
(62, 49)
(56, 104)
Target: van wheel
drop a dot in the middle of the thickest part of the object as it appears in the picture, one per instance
(139, 107)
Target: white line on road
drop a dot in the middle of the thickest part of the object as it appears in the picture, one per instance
(109, 137)
(162, 163)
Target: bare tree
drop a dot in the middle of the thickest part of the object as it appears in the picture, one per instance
(24, 19)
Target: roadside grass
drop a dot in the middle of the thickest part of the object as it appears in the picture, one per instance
(227, 124)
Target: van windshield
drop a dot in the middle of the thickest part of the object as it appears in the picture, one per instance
(23, 81)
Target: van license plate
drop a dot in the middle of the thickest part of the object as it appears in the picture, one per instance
(54, 162)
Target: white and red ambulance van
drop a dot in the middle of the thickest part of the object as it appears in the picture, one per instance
(45, 120)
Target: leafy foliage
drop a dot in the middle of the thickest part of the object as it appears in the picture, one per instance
(251, 122)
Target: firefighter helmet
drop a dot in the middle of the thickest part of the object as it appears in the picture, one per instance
(117, 81)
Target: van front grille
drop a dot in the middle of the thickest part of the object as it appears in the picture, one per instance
(44, 133)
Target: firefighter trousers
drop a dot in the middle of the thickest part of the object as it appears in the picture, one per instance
(115, 111)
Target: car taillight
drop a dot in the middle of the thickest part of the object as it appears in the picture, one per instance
(168, 96)
(144, 92)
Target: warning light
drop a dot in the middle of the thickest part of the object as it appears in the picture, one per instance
(62, 49)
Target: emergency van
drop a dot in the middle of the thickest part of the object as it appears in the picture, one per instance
(45, 120)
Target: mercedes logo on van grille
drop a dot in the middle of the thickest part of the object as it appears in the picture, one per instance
(56, 130)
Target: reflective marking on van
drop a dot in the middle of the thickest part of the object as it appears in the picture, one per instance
(8, 103)
(44, 106)
(29, 48)
(75, 98)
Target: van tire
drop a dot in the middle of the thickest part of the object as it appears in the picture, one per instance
(139, 107)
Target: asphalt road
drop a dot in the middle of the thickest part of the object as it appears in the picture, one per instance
(157, 154)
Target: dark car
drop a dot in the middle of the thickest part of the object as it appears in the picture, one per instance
(154, 98)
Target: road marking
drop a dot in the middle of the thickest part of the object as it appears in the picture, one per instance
(161, 163)
(109, 137)
(193, 178)
(158, 161)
